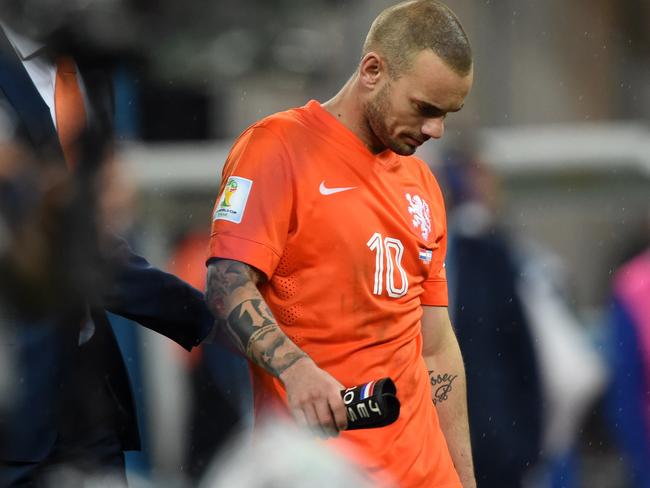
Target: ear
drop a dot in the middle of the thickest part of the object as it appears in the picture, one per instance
(372, 69)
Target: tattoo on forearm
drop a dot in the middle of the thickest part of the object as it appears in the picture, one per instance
(440, 386)
(250, 324)
(287, 360)
(267, 347)
(248, 318)
(224, 277)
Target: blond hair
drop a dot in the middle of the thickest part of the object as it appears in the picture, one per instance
(402, 31)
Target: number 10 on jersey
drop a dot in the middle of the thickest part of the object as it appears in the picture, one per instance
(388, 259)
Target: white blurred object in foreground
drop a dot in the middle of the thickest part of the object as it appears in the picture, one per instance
(573, 373)
(281, 455)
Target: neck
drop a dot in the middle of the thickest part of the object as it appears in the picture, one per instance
(348, 109)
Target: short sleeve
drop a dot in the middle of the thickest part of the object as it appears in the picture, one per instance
(253, 211)
(435, 287)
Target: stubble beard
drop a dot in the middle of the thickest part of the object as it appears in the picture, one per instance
(376, 111)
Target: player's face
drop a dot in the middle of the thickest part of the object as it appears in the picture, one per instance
(407, 111)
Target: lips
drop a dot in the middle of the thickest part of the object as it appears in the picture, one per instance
(413, 141)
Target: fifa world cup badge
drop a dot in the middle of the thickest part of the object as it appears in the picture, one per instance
(232, 202)
(228, 192)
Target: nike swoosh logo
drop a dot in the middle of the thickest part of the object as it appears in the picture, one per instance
(330, 191)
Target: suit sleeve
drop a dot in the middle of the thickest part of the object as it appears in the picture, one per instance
(155, 299)
(627, 395)
(253, 213)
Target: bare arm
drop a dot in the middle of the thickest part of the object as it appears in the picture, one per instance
(448, 391)
(234, 299)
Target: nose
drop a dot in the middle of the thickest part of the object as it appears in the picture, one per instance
(434, 127)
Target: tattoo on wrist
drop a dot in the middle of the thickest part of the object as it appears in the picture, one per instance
(266, 347)
(289, 359)
(440, 386)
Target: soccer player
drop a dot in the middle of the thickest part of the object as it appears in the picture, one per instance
(327, 250)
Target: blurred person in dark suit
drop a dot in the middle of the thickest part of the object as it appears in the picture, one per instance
(628, 400)
(71, 399)
(519, 336)
(219, 377)
(503, 385)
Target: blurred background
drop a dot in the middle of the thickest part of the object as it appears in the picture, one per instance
(546, 169)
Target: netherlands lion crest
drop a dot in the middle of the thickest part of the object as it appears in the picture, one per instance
(419, 209)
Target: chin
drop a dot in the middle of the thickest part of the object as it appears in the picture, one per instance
(403, 149)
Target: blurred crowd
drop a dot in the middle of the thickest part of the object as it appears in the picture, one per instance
(556, 399)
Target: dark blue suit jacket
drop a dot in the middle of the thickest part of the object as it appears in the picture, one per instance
(54, 387)
(503, 387)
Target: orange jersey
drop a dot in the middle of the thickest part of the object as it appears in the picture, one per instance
(352, 244)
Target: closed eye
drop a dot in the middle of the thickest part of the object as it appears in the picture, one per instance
(429, 111)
